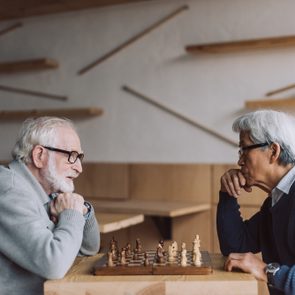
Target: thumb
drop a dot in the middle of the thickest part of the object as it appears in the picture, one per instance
(248, 189)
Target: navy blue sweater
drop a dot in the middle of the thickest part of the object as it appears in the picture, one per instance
(270, 231)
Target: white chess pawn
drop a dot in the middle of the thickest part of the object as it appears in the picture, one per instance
(197, 260)
(183, 261)
(171, 256)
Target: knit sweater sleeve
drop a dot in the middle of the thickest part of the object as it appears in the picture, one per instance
(235, 234)
(30, 240)
(91, 238)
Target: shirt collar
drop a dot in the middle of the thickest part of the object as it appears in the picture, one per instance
(286, 182)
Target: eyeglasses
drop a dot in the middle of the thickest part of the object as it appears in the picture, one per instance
(242, 149)
(73, 155)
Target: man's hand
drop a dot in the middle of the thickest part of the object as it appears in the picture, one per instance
(247, 262)
(66, 201)
(232, 182)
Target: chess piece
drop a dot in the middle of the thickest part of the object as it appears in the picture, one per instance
(159, 254)
(128, 250)
(171, 254)
(113, 251)
(174, 248)
(146, 259)
(123, 257)
(196, 251)
(110, 259)
(197, 261)
(183, 261)
(135, 254)
(138, 246)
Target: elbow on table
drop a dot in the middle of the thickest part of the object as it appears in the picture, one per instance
(54, 272)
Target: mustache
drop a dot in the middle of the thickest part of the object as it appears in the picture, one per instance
(73, 175)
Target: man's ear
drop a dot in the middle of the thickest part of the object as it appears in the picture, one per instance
(275, 151)
(39, 156)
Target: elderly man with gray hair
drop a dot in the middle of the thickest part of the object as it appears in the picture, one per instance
(44, 225)
(266, 160)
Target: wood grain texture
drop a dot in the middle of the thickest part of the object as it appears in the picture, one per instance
(110, 222)
(69, 113)
(104, 180)
(234, 46)
(171, 182)
(28, 65)
(19, 9)
(79, 280)
(151, 208)
(280, 103)
(136, 267)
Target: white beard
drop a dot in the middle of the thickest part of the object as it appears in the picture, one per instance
(57, 182)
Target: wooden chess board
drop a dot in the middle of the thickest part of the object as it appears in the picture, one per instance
(137, 267)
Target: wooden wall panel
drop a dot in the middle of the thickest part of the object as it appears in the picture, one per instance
(185, 228)
(174, 182)
(103, 180)
(256, 197)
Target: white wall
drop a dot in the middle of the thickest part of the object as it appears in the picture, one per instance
(210, 89)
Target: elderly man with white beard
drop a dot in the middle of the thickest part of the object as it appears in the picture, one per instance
(44, 225)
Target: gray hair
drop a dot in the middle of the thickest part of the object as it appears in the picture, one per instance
(35, 131)
(270, 126)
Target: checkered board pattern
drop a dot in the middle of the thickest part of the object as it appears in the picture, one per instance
(137, 267)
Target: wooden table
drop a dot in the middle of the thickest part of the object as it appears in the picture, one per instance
(109, 222)
(80, 281)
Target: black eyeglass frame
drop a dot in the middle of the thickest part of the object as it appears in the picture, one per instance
(72, 154)
(251, 147)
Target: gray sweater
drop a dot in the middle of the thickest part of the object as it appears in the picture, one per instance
(32, 248)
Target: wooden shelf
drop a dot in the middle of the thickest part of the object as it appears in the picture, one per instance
(69, 113)
(109, 222)
(241, 45)
(271, 103)
(20, 9)
(151, 208)
(28, 65)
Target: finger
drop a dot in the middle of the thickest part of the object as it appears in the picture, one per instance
(226, 187)
(237, 183)
(242, 178)
(248, 189)
(227, 180)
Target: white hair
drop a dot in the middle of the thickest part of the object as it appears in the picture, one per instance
(35, 131)
(270, 126)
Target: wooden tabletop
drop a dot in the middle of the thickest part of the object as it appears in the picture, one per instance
(80, 281)
(109, 222)
(151, 208)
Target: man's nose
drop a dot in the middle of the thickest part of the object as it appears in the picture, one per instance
(78, 166)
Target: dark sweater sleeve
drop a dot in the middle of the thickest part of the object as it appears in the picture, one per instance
(234, 234)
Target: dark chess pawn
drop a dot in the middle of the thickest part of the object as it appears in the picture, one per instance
(146, 259)
(113, 250)
(161, 242)
(135, 254)
(128, 250)
(138, 246)
(159, 254)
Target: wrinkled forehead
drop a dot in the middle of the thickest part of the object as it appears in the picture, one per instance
(67, 138)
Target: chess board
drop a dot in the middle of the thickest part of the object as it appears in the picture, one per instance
(137, 267)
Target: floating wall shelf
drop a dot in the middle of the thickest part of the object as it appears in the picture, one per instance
(28, 65)
(242, 45)
(69, 113)
(271, 103)
(20, 9)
